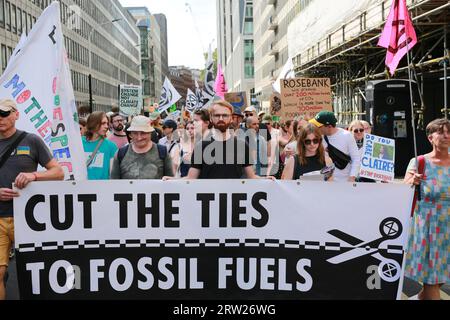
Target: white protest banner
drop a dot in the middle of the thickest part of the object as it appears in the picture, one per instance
(130, 100)
(254, 239)
(43, 92)
(305, 97)
(378, 160)
(169, 96)
(286, 73)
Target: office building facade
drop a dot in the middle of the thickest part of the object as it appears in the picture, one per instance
(271, 21)
(150, 48)
(99, 36)
(236, 45)
(162, 22)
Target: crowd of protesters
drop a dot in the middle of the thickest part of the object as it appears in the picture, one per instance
(222, 143)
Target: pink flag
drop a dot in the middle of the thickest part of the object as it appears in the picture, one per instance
(220, 85)
(398, 36)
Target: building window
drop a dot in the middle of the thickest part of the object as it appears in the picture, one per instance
(2, 13)
(8, 15)
(4, 58)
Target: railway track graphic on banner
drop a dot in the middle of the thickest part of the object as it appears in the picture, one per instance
(198, 241)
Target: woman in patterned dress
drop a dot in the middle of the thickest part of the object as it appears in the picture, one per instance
(427, 259)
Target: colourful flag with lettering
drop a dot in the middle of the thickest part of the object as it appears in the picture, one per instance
(220, 85)
(44, 94)
(398, 36)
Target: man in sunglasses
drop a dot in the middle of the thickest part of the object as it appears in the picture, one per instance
(343, 141)
(20, 154)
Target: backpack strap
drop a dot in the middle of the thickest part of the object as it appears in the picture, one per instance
(162, 151)
(122, 152)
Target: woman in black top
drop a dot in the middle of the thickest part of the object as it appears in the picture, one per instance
(310, 155)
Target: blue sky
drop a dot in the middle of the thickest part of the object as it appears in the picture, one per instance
(187, 39)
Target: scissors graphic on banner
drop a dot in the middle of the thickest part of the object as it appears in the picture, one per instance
(388, 269)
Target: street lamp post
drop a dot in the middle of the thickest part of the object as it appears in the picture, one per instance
(91, 100)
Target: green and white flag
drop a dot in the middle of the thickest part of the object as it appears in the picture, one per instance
(169, 96)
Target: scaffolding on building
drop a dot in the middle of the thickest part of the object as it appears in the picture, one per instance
(351, 58)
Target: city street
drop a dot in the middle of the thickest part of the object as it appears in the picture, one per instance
(410, 288)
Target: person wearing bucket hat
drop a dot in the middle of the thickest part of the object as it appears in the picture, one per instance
(142, 158)
(340, 145)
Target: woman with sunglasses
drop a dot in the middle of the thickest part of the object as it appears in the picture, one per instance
(358, 130)
(310, 156)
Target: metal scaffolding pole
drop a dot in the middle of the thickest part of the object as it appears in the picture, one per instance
(446, 58)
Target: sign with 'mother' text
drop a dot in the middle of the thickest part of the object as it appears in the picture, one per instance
(198, 240)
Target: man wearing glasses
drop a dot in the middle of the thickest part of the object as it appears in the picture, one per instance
(20, 154)
(224, 156)
(342, 140)
(118, 136)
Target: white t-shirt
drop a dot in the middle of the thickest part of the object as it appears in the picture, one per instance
(345, 142)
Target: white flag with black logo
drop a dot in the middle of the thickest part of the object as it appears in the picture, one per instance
(208, 92)
(192, 102)
(169, 96)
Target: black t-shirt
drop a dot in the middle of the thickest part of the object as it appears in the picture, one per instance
(221, 159)
(312, 164)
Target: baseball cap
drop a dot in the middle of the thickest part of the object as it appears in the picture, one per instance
(267, 119)
(324, 118)
(140, 124)
(169, 123)
(261, 113)
(154, 115)
(250, 109)
(7, 105)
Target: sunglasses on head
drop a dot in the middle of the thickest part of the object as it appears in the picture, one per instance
(358, 130)
(5, 114)
(313, 141)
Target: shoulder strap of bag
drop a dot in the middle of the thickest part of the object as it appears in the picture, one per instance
(162, 151)
(417, 193)
(92, 157)
(8, 151)
(296, 166)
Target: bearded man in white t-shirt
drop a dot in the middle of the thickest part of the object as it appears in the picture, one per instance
(342, 140)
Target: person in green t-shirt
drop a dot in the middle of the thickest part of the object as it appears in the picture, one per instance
(99, 151)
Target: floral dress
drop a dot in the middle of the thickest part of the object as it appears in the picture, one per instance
(427, 259)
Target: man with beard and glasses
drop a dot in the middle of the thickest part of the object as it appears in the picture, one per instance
(118, 136)
(223, 156)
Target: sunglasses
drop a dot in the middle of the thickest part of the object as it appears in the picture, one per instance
(5, 114)
(358, 130)
(313, 141)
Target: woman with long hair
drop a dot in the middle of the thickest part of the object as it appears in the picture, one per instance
(182, 152)
(310, 156)
(427, 258)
